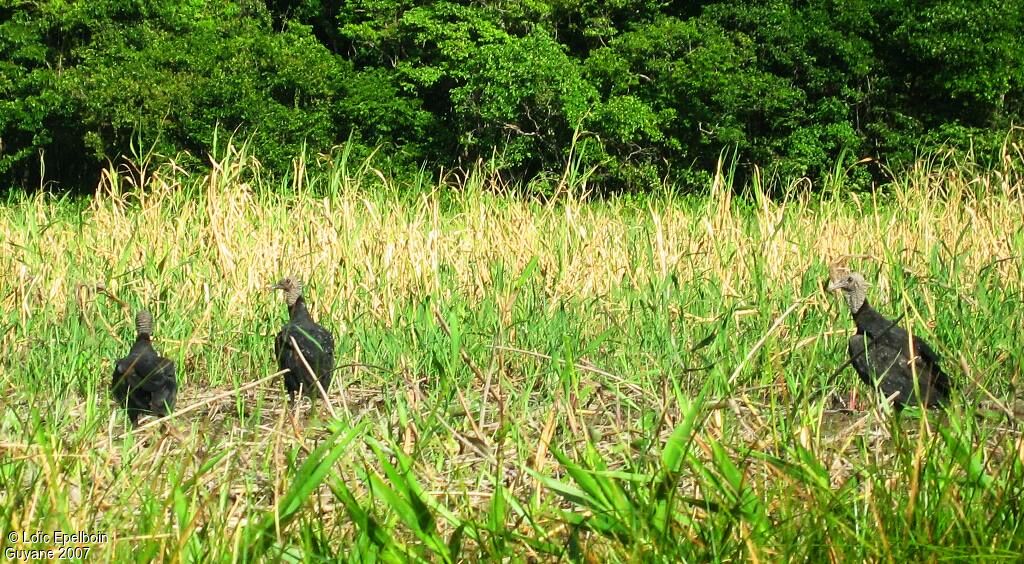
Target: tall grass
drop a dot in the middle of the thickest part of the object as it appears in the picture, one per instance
(625, 379)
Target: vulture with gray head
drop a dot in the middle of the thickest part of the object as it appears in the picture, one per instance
(302, 336)
(885, 356)
(144, 382)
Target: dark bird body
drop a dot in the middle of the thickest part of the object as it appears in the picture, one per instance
(881, 354)
(144, 382)
(315, 344)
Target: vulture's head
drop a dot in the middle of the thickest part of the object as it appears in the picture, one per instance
(292, 289)
(853, 286)
(144, 323)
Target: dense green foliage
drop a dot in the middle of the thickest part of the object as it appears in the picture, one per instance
(643, 91)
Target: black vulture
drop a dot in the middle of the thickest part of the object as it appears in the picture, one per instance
(881, 351)
(315, 344)
(144, 382)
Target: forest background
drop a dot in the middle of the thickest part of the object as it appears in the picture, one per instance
(642, 93)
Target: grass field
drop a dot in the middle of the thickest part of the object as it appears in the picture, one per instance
(626, 379)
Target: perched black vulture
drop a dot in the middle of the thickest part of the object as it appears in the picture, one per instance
(144, 382)
(313, 341)
(881, 353)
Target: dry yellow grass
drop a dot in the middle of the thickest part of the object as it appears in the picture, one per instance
(225, 241)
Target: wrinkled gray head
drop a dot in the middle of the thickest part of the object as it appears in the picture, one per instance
(292, 289)
(144, 322)
(853, 285)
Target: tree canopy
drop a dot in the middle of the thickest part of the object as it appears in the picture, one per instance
(646, 90)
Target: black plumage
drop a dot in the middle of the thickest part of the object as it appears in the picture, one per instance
(315, 344)
(881, 354)
(144, 382)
